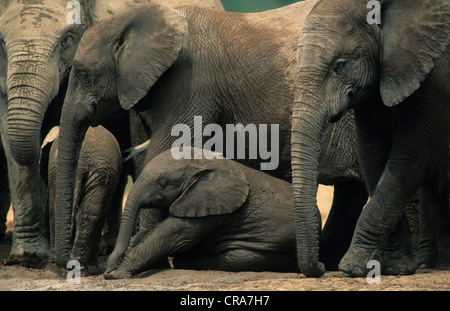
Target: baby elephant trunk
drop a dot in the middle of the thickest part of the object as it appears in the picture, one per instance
(127, 225)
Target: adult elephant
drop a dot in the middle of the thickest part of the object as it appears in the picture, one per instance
(228, 68)
(395, 77)
(36, 52)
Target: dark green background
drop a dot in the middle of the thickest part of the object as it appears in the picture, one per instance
(254, 5)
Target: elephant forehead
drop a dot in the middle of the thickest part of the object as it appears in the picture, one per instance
(94, 45)
(26, 17)
(16, 2)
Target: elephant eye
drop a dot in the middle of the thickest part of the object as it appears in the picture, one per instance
(68, 40)
(340, 65)
(84, 77)
(162, 183)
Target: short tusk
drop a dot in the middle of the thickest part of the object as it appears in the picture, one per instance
(135, 151)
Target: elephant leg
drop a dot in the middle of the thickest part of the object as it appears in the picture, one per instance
(432, 221)
(374, 145)
(237, 260)
(169, 238)
(88, 226)
(348, 202)
(96, 203)
(416, 156)
(379, 235)
(112, 222)
(444, 238)
(51, 200)
(380, 228)
(443, 247)
(29, 202)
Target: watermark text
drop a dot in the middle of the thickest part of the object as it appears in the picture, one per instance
(240, 142)
(74, 16)
(74, 275)
(374, 275)
(374, 16)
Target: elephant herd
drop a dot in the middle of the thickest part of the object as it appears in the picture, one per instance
(362, 106)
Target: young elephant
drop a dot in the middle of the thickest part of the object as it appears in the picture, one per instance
(97, 175)
(220, 215)
(394, 76)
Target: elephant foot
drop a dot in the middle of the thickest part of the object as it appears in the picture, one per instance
(425, 262)
(28, 260)
(93, 269)
(59, 271)
(37, 247)
(118, 274)
(357, 262)
(398, 263)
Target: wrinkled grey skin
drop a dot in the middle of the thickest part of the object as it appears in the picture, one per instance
(98, 173)
(36, 53)
(395, 76)
(228, 68)
(219, 215)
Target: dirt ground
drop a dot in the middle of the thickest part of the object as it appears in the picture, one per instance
(17, 278)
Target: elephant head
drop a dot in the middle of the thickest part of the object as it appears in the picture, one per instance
(343, 62)
(117, 63)
(197, 186)
(38, 43)
(37, 48)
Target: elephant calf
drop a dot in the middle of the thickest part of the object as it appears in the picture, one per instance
(219, 215)
(97, 175)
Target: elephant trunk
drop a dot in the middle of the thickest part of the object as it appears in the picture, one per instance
(129, 216)
(32, 85)
(135, 202)
(308, 126)
(71, 137)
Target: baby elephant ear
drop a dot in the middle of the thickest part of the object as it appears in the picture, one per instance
(415, 35)
(215, 191)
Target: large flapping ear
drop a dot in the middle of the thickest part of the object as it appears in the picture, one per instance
(414, 36)
(219, 188)
(149, 43)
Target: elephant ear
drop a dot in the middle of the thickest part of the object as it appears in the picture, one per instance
(150, 42)
(215, 191)
(415, 34)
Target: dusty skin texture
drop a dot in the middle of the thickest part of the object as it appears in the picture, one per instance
(17, 278)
